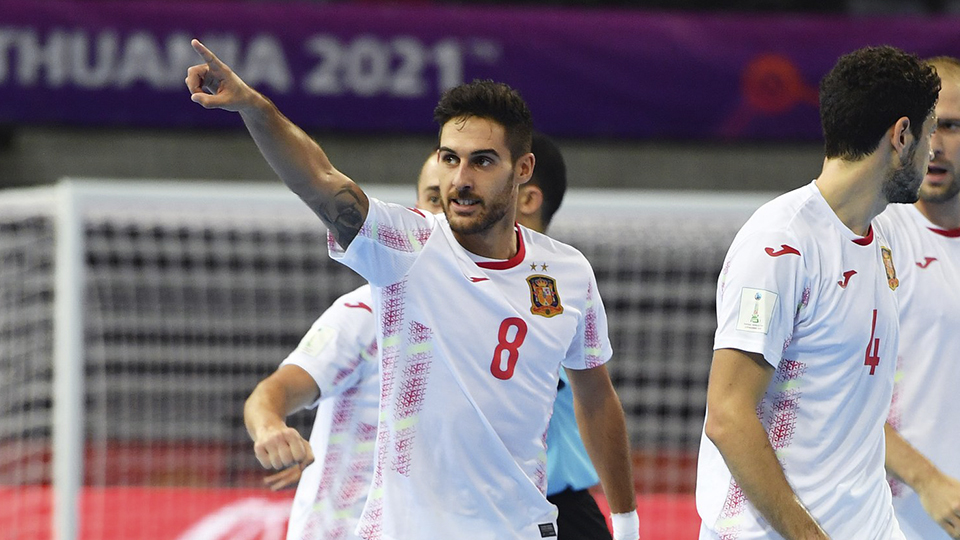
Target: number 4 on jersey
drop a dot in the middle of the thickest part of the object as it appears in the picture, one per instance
(872, 357)
(510, 346)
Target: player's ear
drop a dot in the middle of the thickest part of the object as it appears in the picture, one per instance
(530, 200)
(524, 168)
(901, 138)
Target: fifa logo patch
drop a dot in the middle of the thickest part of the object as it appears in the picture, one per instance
(892, 280)
(544, 298)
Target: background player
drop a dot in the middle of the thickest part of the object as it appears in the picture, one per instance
(926, 240)
(464, 404)
(802, 372)
(337, 358)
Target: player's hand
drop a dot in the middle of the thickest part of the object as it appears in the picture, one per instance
(285, 478)
(214, 85)
(280, 447)
(940, 496)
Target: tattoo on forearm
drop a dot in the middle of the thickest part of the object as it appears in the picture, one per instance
(343, 215)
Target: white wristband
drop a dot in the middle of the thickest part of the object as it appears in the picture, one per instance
(626, 526)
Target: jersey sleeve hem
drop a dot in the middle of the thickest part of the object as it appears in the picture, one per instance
(747, 346)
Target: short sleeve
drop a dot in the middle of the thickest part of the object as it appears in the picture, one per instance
(387, 244)
(591, 345)
(760, 286)
(340, 347)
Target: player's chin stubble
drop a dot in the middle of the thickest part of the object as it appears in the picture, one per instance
(486, 219)
(903, 186)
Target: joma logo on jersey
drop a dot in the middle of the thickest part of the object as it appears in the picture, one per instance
(544, 298)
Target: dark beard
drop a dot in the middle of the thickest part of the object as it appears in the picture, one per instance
(903, 186)
(494, 213)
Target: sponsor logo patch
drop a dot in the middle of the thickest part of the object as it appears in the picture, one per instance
(756, 309)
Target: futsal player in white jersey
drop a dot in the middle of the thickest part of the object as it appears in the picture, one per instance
(806, 343)
(336, 359)
(923, 444)
(340, 348)
(476, 317)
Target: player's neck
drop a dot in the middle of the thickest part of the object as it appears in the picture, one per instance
(945, 215)
(497, 242)
(532, 222)
(853, 190)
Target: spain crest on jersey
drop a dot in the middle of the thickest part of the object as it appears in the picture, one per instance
(892, 280)
(544, 298)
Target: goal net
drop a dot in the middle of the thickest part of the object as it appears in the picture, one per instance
(135, 318)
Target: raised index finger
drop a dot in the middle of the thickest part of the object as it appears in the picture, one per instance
(207, 55)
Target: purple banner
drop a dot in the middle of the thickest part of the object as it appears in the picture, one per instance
(369, 68)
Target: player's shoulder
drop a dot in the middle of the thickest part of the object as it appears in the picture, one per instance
(789, 218)
(362, 293)
(786, 211)
(897, 216)
(540, 243)
(378, 206)
(357, 303)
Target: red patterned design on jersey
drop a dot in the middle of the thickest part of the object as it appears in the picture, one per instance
(343, 410)
(785, 403)
(411, 391)
(591, 338)
(540, 475)
(729, 525)
(354, 487)
(349, 370)
(723, 277)
(804, 300)
(894, 419)
(399, 239)
(391, 321)
(371, 522)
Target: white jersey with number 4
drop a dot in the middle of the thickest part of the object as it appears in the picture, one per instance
(340, 353)
(470, 355)
(924, 407)
(819, 303)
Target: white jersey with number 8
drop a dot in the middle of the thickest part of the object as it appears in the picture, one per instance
(470, 355)
(820, 304)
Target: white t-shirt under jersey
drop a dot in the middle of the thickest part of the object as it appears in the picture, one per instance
(340, 353)
(819, 303)
(928, 373)
(470, 357)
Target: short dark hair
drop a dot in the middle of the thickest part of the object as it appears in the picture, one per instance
(866, 92)
(493, 101)
(549, 174)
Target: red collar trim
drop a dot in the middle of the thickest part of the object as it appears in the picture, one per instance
(865, 240)
(417, 210)
(952, 233)
(512, 261)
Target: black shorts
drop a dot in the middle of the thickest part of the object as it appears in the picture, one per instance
(580, 518)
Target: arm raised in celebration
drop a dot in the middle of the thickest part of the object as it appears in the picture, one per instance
(296, 158)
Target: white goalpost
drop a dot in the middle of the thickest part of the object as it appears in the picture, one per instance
(136, 316)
